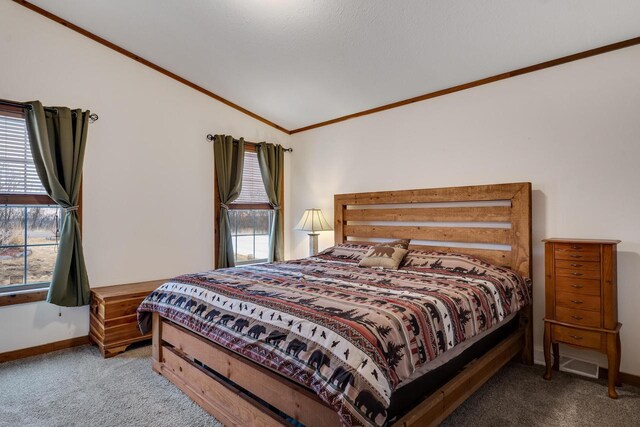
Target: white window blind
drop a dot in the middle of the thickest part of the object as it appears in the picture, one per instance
(17, 171)
(252, 186)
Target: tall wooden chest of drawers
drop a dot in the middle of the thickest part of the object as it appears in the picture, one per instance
(581, 301)
(113, 323)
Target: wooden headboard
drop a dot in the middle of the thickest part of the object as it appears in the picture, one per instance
(491, 222)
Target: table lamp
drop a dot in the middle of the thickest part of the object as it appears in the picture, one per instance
(313, 221)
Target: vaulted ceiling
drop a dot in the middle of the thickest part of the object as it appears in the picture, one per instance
(299, 62)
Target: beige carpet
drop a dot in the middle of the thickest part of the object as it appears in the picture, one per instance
(519, 396)
(77, 387)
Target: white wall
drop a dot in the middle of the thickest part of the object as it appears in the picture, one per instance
(148, 181)
(572, 130)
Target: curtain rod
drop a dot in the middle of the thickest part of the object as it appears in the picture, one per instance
(92, 117)
(287, 150)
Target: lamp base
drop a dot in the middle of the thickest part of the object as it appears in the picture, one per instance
(313, 244)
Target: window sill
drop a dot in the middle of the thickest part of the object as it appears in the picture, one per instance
(241, 263)
(23, 297)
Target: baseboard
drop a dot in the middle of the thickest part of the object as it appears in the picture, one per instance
(44, 348)
(626, 378)
(630, 379)
(538, 356)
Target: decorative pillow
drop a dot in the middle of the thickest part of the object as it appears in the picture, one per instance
(386, 255)
(350, 252)
(400, 243)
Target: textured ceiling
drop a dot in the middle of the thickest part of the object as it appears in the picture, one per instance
(299, 62)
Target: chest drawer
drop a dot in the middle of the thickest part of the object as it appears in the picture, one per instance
(582, 252)
(577, 301)
(577, 248)
(579, 274)
(578, 286)
(578, 265)
(582, 338)
(578, 317)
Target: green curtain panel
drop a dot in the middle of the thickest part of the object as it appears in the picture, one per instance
(271, 161)
(58, 138)
(228, 155)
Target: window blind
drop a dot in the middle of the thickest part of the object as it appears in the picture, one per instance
(17, 172)
(253, 191)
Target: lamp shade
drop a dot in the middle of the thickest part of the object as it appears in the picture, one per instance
(312, 220)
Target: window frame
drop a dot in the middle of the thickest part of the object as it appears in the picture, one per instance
(250, 147)
(36, 293)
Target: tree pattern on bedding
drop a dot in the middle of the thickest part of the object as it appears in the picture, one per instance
(350, 334)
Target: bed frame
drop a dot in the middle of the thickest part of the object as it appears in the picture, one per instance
(230, 387)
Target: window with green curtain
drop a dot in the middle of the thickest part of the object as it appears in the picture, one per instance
(251, 214)
(29, 219)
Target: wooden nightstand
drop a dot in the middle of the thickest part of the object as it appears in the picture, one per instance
(581, 301)
(113, 322)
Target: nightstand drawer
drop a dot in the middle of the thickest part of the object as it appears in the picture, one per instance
(577, 301)
(578, 286)
(578, 317)
(578, 274)
(575, 336)
(578, 265)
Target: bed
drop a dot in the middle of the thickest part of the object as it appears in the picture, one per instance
(321, 342)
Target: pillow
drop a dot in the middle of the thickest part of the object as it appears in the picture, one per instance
(457, 263)
(351, 252)
(386, 255)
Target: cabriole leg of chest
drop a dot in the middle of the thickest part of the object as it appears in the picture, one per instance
(613, 359)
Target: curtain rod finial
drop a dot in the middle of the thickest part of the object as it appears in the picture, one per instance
(209, 137)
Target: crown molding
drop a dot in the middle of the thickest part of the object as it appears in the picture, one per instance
(514, 73)
(146, 62)
(484, 81)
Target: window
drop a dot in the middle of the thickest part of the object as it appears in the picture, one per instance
(250, 233)
(29, 220)
(250, 214)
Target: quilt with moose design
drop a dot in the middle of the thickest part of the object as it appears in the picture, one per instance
(350, 334)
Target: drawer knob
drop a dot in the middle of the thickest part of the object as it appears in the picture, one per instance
(576, 265)
(577, 286)
(577, 317)
(576, 337)
(576, 256)
(576, 274)
(576, 301)
(576, 247)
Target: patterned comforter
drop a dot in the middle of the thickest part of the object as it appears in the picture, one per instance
(350, 334)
